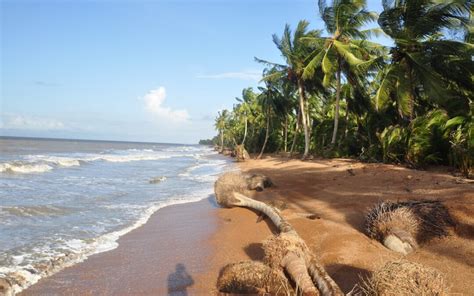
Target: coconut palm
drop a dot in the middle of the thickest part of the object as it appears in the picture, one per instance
(285, 104)
(243, 110)
(344, 20)
(220, 124)
(267, 98)
(295, 52)
(426, 69)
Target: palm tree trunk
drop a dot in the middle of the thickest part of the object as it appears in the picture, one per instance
(338, 94)
(305, 274)
(269, 211)
(245, 132)
(325, 284)
(266, 137)
(303, 117)
(308, 118)
(286, 133)
(222, 141)
(295, 266)
(412, 92)
(297, 127)
(346, 130)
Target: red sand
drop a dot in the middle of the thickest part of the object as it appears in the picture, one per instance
(204, 238)
(340, 199)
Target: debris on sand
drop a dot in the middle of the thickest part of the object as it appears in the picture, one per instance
(400, 226)
(404, 278)
(253, 277)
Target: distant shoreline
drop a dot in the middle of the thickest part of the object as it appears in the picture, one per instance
(90, 140)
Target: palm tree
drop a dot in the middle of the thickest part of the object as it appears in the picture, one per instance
(295, 52)
(424, 65)
(344, 20)
(267, 99)
(284, 105)
(243, 110)
(220, 124)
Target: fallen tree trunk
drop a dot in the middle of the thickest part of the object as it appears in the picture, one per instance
(286, 251)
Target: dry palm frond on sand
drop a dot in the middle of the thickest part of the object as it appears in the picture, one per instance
(404, 278)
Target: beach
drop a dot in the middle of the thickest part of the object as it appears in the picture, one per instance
(64, 201)
(151, 260)
(203, 237)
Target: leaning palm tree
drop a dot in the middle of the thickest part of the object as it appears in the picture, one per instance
(426, 68)
(243, 110)
(295, 52)
(346, 49)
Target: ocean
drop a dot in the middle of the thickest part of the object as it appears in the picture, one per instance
(64, 200)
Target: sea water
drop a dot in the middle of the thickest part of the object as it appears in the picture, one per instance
(63, 200)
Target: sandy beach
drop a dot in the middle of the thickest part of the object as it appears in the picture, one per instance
(339, 199)
(203, 238)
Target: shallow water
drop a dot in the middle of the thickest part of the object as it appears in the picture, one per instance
(62, 200)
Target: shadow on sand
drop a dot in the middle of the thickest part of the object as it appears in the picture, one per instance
(179, 281)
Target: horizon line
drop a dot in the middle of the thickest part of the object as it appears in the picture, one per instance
(87, 140)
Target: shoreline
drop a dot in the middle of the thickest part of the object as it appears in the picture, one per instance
(102, 244)
(145, 257)
(204, 238)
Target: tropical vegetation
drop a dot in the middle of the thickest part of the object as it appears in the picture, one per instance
(338, 93)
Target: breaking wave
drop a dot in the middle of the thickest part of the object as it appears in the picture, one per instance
(24, 273)
(44, 163)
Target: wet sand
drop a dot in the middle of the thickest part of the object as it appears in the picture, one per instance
(204, 238)
(164, 255)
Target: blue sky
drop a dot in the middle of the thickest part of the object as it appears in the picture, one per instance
(154, 71)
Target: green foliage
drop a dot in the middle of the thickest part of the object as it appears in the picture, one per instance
(393, 141)
(209, 142)
(426, 143)
(410, 104)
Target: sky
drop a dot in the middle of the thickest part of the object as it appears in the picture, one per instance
(148, 71)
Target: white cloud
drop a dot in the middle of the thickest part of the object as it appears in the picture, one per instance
(24, 122)
(243, 75)
(154, 100)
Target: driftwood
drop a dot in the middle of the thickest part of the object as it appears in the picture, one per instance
(285, 251)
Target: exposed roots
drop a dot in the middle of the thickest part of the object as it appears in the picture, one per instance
(288, 252)
(253, 277)
(231, 182)
(401, 226)
(226, 185)
(404, 278)
(258, 182)
(241, 153)
(277, 247)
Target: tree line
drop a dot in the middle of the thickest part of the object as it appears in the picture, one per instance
(339, 94)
